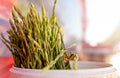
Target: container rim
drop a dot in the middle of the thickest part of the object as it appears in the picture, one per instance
(104, 69)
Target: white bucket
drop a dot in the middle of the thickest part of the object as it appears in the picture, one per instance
(86, 70)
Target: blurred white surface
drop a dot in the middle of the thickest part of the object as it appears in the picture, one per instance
(103, 18)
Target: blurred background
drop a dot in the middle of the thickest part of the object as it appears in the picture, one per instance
(93, 25)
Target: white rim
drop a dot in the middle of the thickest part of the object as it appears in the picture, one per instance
(108, 68)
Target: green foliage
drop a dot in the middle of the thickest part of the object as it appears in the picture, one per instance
(36, 41)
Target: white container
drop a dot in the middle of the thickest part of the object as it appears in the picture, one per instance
(86, 70)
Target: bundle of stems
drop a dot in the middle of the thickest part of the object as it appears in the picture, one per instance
(36, 41)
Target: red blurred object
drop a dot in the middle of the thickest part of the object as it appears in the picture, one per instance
(5, 8)
(84, 46)
(72, 58)
(5, 64)
(100, 48)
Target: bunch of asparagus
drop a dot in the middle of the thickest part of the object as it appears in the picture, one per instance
(36, 41)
